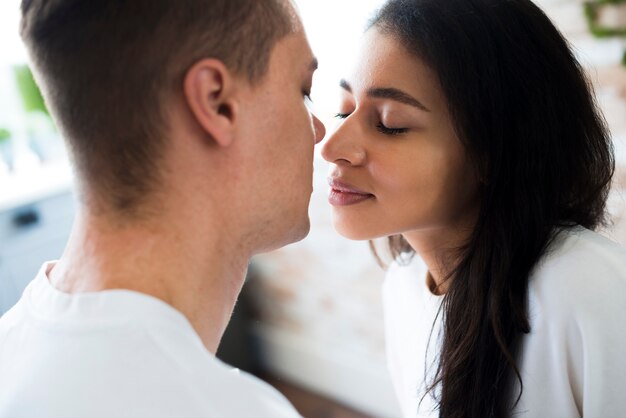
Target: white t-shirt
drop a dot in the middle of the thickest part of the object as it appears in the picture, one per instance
(572, 363)
(117, 354)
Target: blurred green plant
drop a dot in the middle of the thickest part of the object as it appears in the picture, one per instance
(5, 135)
(31, 95)
(6, 149)
(592, 13)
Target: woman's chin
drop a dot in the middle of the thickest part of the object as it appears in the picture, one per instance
(355, 234)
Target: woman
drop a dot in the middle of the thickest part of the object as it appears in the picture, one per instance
(470, 137)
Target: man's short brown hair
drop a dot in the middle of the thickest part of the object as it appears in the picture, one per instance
(106, 67)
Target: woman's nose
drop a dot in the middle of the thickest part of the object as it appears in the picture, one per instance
(343, 145)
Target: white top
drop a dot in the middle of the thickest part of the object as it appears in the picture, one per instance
(118, 354)
(572, 362)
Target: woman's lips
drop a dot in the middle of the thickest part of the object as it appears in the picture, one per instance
(343, 194)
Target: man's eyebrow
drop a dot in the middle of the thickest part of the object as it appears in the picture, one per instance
(345, 85)
(389, 93)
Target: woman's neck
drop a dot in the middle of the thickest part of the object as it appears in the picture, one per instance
(440, 248)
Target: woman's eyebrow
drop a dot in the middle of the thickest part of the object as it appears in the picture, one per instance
(389, 93)
(397, 95)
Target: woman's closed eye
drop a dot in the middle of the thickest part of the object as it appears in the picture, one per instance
(380, 126)
(390, 131)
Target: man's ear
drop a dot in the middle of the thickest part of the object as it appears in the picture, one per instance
(210, 94)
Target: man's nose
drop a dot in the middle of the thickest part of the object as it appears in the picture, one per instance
(343, 147)
(320, 129)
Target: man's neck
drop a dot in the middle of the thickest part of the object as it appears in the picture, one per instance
(199, 277)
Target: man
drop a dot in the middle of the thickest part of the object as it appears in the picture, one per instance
(193, 151)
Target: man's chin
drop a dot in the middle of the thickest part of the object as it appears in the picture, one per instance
(297, 232)
(304, 230)
(292, 234)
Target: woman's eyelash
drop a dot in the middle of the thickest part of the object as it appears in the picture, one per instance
(390, 131)
(381, 128)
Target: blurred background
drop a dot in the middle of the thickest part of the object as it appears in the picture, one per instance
(310, 318)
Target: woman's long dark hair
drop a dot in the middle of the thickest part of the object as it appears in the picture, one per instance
(526, 115)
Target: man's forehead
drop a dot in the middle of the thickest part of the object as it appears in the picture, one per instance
(293, 13)
(294, 51)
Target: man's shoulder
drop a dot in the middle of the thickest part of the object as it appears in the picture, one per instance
(222, 391)
(147, 369)
(182, 375)
(242, 394)
(203, 386)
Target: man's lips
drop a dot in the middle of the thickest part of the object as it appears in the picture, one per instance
(344, 194)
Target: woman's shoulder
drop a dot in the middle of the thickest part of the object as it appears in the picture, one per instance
(581, 270)
(406, 274)
(405, 265)
(579, 251)
(405, 269)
